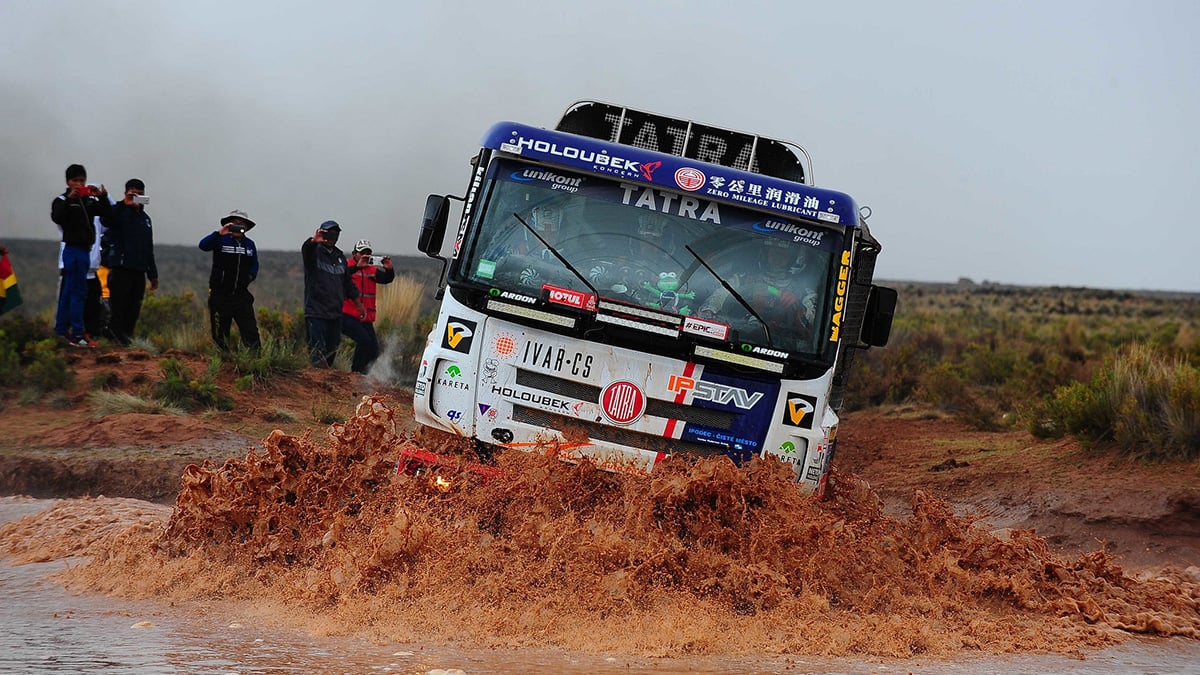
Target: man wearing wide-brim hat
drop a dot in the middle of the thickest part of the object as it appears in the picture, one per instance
(235, 265)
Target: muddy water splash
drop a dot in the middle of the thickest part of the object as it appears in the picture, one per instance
(702, 557)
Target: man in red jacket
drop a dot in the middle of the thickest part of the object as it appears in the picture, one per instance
(361, 327)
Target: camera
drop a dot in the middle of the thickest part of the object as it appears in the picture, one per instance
(237, 228)
(88, 191)
(141, 199)
(375, 260)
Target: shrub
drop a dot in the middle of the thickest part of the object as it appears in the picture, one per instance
(105, 380)
(181, 389)
(47, 369)
(1141, 402)
(273, 357)
(106, 403)
(286, 329)
(10, 360)
(164, 315)
(397, 304)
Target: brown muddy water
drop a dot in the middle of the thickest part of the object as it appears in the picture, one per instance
(310, 556)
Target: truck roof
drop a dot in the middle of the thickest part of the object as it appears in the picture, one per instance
(684, 174)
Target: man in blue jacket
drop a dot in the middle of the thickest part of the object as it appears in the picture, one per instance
(234, 266)
(74, 211)
(127, 250)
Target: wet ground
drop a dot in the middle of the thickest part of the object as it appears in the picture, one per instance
(51, 630)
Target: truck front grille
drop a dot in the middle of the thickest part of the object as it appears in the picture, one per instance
(609, 434)
(707, 417)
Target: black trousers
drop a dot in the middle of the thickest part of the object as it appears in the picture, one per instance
(126, 290)
(225, 310)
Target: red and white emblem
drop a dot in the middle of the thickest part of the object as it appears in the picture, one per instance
(690, 179)
(622, 402)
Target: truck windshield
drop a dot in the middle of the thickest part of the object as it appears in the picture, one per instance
(631, 242)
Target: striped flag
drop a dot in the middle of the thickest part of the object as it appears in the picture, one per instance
(10, 296)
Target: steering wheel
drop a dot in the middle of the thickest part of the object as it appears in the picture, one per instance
(610, 269)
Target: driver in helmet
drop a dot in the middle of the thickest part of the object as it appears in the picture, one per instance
(780, 284)
(521, 256)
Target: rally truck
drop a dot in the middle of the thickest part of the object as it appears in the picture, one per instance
(629, 285)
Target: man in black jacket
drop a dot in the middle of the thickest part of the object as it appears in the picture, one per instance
(234, 266)
(127, 249)
(327, 284)
(74, 211)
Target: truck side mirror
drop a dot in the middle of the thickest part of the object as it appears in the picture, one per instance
(433, 225)
(877, 324)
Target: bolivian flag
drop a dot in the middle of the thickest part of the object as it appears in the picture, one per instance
(10, 297)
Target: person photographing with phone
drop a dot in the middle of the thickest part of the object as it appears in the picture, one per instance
(74, 211)
(127, 250)
(327, 286)
(366, 271)
(234, 267)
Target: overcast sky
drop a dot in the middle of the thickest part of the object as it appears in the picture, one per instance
(1042, 142)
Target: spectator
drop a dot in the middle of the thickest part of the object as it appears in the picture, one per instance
(234, 267)
(327, 285)
(95, 306)
(365, 274)
(128, 253)
(74, 211)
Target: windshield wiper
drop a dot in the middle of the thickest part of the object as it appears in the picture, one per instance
(556, 254)
(735, 294)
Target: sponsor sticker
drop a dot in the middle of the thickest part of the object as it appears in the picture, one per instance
(712, 329)
(505, 345)
(716, 392)
(799, 410)
(459, 334)
(689, 178)
(570, 298)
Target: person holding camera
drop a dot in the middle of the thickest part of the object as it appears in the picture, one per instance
(234, 267)
(366, 271)
(127, 250)
(74, 211)
(327, 286)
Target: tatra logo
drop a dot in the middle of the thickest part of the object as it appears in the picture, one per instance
(622, 402)
(799, 411)
(712, 391)
(459, 333)
(673, 204)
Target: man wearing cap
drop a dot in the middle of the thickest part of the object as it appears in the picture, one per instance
(234, 266)
(366, 275)
(327, 285)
